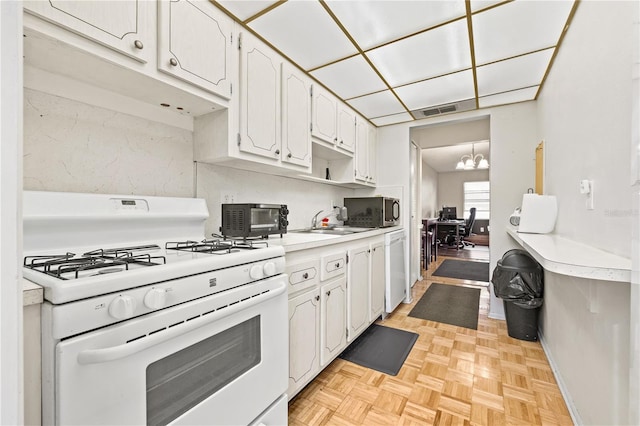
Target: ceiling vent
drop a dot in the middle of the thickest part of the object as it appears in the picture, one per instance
(465, 105)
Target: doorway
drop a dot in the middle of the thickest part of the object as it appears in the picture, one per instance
(455, 168)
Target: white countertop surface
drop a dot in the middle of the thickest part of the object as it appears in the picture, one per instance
(293, 241)
(567, 257)
(31, 293)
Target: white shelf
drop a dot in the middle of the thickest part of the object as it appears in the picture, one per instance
(567, 257)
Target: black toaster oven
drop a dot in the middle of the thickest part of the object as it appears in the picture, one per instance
(246, 220)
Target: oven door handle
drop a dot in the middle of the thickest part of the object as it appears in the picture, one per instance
(97, 356)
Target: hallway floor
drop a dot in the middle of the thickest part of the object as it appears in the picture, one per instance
(453, 375)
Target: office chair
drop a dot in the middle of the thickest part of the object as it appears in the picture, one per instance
(466, 231)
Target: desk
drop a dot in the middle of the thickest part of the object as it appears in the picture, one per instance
(450, 224)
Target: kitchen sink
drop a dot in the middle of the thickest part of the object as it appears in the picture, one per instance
(338, 230)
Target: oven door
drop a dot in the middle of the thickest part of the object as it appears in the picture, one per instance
(217, 360)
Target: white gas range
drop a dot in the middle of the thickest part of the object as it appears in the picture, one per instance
(147, 322)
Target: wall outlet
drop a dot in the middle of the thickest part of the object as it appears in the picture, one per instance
(227, 197)
(482, 229)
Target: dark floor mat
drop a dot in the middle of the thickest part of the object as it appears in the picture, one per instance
(381, 348)
(464, 270)
(449, 304)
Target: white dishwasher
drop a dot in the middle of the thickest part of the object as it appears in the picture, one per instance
(395, 269)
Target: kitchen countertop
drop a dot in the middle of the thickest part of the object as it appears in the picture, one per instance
(32, 293)
(567, 257)
(293, 241)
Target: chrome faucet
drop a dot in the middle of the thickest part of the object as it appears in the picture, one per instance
(314, 220)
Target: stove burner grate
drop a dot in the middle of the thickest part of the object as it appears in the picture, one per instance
(101, 260)
(216, 246)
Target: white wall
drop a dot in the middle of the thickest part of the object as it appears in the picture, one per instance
(451, 187)
(585, 119)
(72, 146)
(304, 199)
(75, 147)
(513, 135)
(429, 189)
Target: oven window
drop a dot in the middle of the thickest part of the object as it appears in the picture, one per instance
(180, 381)
(265, 218)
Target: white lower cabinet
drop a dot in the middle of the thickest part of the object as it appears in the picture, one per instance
(358, 290)
(304, 339)
(329, 309)
(377, 279)
(333, 319)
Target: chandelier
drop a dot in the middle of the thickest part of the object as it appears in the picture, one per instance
(473, 161)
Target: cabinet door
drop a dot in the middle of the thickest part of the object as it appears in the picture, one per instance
(124, 25)
(346, 128)
(358, 290)
(259, 99)
(195, 44)
(373, 153)
(304, 339)
(362, 151)
(377, 280)
(333, 319)
(296, 117)
(324, 115)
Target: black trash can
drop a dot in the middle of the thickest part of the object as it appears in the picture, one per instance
(518, 279)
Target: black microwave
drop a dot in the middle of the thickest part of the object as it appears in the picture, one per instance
(373, 212)
(254, 220)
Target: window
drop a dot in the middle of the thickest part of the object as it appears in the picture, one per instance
(476, 194)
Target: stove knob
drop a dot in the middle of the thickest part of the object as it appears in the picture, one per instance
(269, 269)
(155, 298)
(256, 272)
(122, 307)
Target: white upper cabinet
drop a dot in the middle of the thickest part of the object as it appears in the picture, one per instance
(365, 156)
(124, 26)
(346, 128)
(324, 112)
(195, 43)
(296, 116)
(260, 119)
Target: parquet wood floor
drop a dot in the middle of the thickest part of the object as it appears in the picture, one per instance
(452, 376)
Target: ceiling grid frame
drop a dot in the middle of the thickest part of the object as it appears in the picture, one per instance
(517, 94)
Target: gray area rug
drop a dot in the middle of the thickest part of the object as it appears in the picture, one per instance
(381, 348)
(464, 270)
(449, 304)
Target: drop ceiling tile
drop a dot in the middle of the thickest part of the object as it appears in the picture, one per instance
(437, 91)
(389, 20)
(377, 104)
(245, 9)
(392, 119)
(350, 78)
(483, 4)
(432, 53)
(518, 27)
(521, 95)
(516, 73)
(304, 31)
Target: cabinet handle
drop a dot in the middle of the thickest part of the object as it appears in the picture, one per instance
(138, 44)
(341, 141)
(335, 140)
(289, 155)
(173, 61)
(277, 152)
(305, 275)
(317, 298)
(337, 265)
(329, 293)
